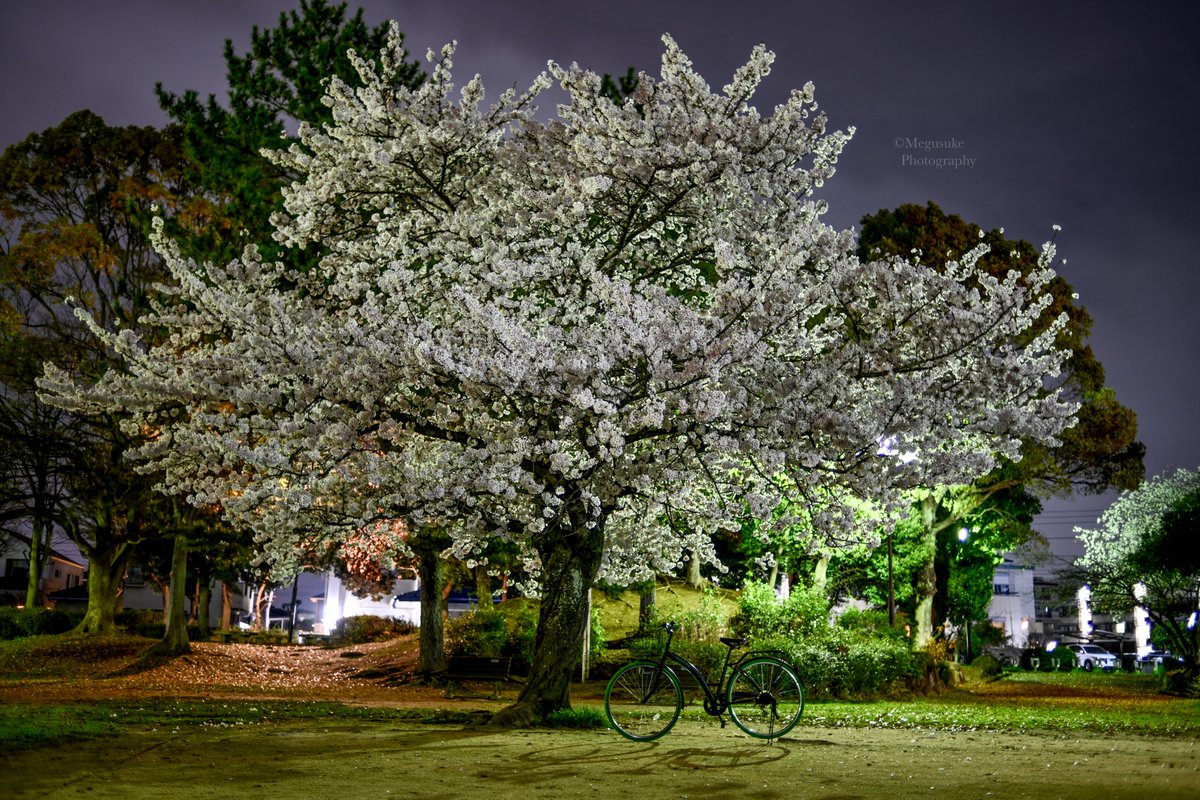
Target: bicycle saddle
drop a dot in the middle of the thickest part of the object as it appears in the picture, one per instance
(733, 642)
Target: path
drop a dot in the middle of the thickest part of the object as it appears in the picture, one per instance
(343, 761)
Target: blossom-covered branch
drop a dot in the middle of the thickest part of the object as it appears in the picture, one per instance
(567, 333)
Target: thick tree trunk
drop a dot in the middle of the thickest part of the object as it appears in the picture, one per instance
(262, 607)
(164, 591)
(37, 554)
(483, 586)
(646, 603)
(203, 604)
(570, 562)
(431, 571)
(694, 579)
(927, 580)
(175, 638)
(106, 568)
(226, 606)
(821, 573)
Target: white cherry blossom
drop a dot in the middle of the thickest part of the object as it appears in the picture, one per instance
(601, 336)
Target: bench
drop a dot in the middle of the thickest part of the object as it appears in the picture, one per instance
(478, 668)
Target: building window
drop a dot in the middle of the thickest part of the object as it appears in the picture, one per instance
(17, 568)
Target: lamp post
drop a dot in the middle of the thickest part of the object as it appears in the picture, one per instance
(963, 535)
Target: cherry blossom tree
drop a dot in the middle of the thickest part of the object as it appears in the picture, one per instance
(573, 335)
(1144, 553)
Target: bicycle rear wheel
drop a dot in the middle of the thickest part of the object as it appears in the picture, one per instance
(642, 701)
(765, 697)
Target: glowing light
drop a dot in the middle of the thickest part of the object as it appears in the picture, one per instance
(1084, 597)
(887, 447)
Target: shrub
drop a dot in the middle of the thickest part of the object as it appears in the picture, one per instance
(1178, 682)
(988, 665)
(860, 656)
(132, 619)
(705, 623)
(12, 623)
(707, 656)
(871, 622)
(762, 615)
(16, 623)
(598, 643)
(841, 663)
(1042, 660)
(506, 630)
(365, 628)
(148, 624)
(156, 630)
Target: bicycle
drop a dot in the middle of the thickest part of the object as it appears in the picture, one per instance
(763, 696)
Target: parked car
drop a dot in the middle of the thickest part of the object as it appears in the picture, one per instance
(1091, 656)
(1158, 658)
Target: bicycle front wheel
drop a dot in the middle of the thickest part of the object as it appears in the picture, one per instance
(765, 697)
(643, 701)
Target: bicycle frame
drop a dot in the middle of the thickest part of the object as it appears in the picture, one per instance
(714, 704)
(760, 690)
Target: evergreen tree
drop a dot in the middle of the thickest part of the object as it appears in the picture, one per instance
(277, 84)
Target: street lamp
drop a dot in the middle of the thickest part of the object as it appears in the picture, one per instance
(963, 535)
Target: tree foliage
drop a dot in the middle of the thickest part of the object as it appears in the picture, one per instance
(1144, 553)
(572, 335)
(272, 87)
(75, 206)
(1100, 451)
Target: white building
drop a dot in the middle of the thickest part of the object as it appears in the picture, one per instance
(333, 601)
(61, 571)
(1013, 609)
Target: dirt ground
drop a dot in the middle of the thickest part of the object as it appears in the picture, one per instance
(346, 760)
(696, 760)
(245, 671)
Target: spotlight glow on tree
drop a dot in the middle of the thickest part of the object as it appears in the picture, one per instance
(600, 337)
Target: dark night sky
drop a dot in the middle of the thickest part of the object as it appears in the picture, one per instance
(1084, 115)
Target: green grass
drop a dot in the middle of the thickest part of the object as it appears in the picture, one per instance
(1063, 702)
(23, 726)
(948, 715)
(578, 717)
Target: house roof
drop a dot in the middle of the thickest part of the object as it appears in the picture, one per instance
(54, 554)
